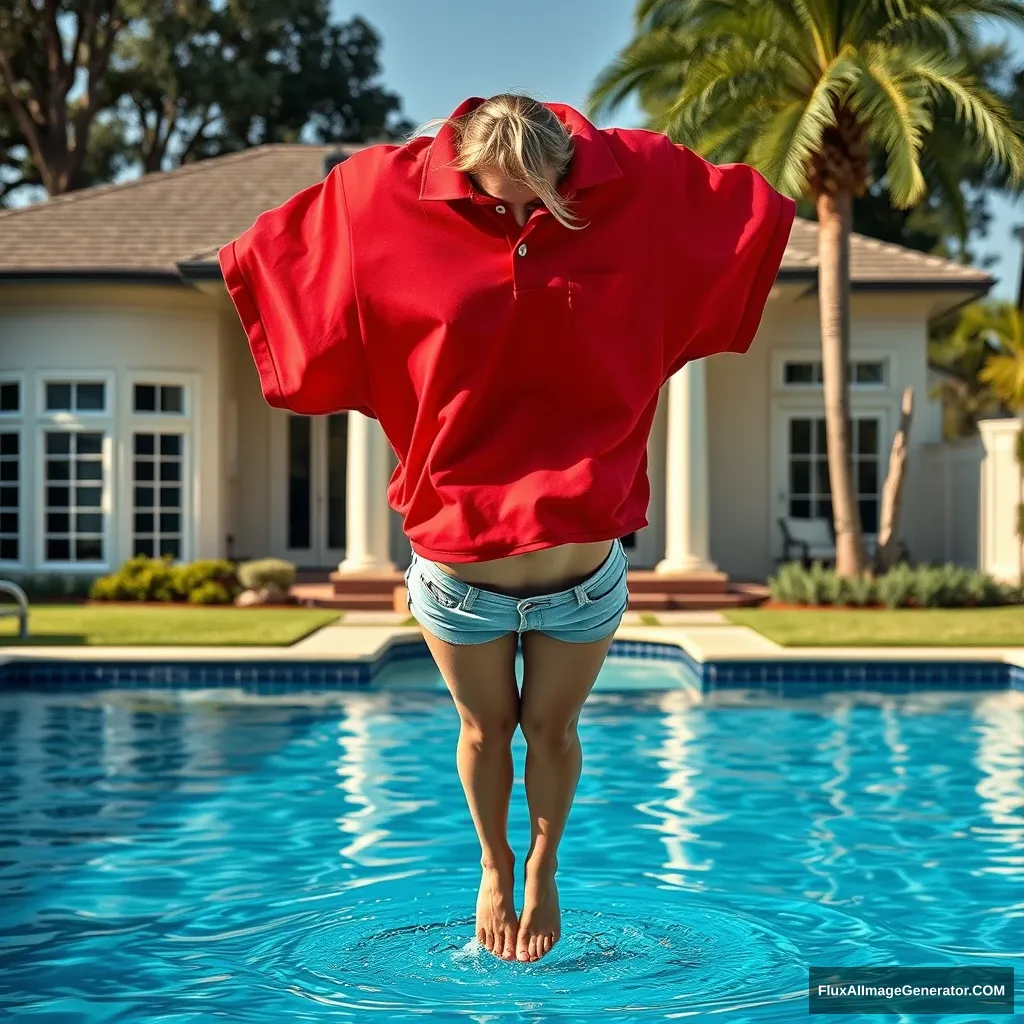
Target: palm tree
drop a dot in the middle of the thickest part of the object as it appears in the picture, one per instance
(997, 329)
(807, 91)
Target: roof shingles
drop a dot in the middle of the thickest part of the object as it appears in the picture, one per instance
(154, 223)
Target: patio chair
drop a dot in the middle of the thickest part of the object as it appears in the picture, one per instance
(21, 610)
(807, 540)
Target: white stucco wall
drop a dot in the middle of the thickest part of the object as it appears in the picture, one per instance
(747, 400)
(122, 333)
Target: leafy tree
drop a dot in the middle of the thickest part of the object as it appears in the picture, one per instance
(92, 88)
(52, 83)
(806, 92)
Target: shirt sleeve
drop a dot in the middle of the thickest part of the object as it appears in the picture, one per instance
(290, 278)
(728, 230)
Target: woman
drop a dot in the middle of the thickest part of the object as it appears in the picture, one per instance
(507, 299)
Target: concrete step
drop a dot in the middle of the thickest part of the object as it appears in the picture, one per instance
(365, 583)
(652, 602)
(322, 595)
(646, 581)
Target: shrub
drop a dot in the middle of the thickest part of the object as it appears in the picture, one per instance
(159, 579)
(193, 575)
(787, 585)
(927, 587)
(818, 584)
(139, 579)
(896, 588)
(860, 592)
(937, 586)
(210, 592)
(266, 572)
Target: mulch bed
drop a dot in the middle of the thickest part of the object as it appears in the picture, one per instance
(167, 604)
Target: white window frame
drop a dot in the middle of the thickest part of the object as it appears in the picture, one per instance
(75, 377)
(813, 355)
(186, 424)
(51, 424)
(14, 423)
(159, 379)
(88, 421)
(806, 402)
(19, 379)
(8, 425)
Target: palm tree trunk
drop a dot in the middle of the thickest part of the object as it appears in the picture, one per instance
(835, 215)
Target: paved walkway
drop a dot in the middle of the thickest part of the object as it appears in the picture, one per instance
(361, 636)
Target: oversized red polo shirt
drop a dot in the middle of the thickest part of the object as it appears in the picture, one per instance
(515, 371)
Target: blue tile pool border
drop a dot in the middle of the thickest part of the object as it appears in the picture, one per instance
(776, 677)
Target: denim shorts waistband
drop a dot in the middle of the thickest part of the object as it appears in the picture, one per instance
(609, 568)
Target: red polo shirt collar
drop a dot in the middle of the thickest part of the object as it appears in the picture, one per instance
(592, 164)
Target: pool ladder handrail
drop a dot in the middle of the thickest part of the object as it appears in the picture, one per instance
(19, 595)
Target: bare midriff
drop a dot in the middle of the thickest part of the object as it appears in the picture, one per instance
(536, 572)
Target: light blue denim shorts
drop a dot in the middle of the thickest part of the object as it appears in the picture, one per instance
(460, 613)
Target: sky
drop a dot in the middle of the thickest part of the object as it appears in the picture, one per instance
(435, 53)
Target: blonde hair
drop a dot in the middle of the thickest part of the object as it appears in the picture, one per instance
(524, 140)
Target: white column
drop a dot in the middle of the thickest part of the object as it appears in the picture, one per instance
(366, 512)
(687, 546)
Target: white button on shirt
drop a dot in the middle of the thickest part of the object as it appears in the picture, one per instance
(499, 209)
(522, 249)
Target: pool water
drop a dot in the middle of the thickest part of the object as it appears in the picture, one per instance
(201, 858)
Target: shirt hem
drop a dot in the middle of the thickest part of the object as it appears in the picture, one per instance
(435, 554)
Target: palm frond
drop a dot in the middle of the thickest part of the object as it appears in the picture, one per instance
(987, 115)
(661, 53)
(891, 102)
(789, 140)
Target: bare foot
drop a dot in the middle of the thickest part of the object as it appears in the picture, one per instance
(496, 924)
(540, 922)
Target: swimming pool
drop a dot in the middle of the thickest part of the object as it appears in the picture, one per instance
(190, 857)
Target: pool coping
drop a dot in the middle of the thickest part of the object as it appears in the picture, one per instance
(715, 657)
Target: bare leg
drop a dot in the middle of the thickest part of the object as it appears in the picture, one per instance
(557, 679)
(482, 681)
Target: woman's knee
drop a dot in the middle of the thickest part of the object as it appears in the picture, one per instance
(489, 730)
(550, 732)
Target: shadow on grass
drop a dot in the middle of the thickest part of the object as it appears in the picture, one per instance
(45, 640)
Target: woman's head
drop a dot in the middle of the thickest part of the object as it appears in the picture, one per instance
(517, 150)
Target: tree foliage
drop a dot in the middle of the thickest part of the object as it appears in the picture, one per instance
(754, 81)
(92, 88)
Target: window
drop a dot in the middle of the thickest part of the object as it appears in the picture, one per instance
(10, 495)
(74, 479)
(75, 396)
(801, 373)
(809, 490)
(862, 373)
(159, 399)
(10, 397)
(157, 503)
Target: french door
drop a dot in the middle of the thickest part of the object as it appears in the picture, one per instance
(312, 470)
(800, 472)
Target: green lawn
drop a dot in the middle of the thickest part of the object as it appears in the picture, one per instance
(955, 627)
(165, 625)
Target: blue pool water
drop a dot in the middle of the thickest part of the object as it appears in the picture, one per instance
(201, 858)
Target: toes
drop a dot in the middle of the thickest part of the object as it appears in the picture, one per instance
(534, 954)
(510, 943)
(489, 940)
(481, 937)
(523, 949)
(546, 944)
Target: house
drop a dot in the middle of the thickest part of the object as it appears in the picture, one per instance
(131, 418)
